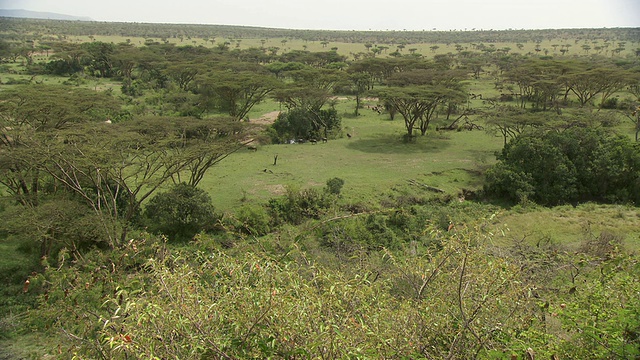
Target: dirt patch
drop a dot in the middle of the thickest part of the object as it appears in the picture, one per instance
(277, 189)
(266, 119)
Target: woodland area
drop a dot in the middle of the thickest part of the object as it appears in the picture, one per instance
(425, 195)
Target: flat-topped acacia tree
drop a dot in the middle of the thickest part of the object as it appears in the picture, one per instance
(307, 92)
(416, 94)
(308, 88)
(115, 167)
(237, 92)
(33, 115)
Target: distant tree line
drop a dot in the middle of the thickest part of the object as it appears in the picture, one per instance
(149, 30)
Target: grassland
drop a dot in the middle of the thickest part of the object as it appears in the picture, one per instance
(372, 161)
(376, 164)
(544, 46)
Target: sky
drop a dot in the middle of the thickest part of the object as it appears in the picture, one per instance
(354, 14)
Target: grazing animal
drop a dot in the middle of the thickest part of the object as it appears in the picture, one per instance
(300, 141)
(450, 227)
(313, 141)
(349, 135)
(324, 140)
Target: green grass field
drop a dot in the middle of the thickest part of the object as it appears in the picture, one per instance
(568, 225)
(373, 161)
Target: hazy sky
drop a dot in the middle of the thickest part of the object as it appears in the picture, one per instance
(355, 14)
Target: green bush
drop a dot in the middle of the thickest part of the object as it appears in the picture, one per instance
(456, 303)
(601, 320)
(334, 186)
(43, 230)
(574, 165)
(303, 124)
(180, 213)
(465, 299)
(610, 103)
(369, 232)
(297, 206)
(253, 220)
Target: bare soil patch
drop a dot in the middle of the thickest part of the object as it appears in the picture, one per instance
(266, 119)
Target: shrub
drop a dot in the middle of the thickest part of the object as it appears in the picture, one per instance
(304, 124)
(577, 164)
(132, 88)
(334, 186)
(43, 230)
(180, 213)
(601, 319)
(297, 205)
(253, 220)
(610, 103)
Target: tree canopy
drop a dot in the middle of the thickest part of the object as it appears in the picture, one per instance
(570, 166)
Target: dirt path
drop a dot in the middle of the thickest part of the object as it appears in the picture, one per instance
(266, 119)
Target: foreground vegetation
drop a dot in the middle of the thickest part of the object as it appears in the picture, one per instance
(163, 200)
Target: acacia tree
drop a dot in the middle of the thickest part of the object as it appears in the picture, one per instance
(309, 91)
(126, 58)
(539, 81)
(523, 77)
(475, 64)
(417, 94)
(361, 83)
(69, 54)
(19, 176)
(99, 58)
(5, 49)
(587, 84)
(204, 143)
(53, 107)
(378, 69)
(298, 96)
(278, 68)
(546, 92)
(115, 167)
(635, 119)
(512, 121)
(617, 79)
(322, 80)
(183, 74)
(31, 116)
(410, 102)
(634, 85)
(112, 168)
(237, 92)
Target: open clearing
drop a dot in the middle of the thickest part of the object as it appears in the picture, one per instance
(372, 163)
